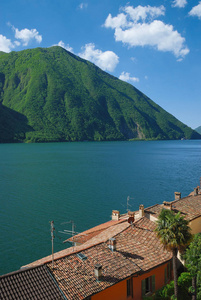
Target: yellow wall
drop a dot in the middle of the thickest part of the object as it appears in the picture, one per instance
(119, 291)
(195, 225)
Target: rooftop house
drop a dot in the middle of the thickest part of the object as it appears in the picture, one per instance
(190, 208)
(120, 259)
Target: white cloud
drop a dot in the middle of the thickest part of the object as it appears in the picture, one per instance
(67, 47)
(17, 43)
(125, 76)
(196, 11)
(133, 59)
(156, 34)
(83, 5)
(5, 44)
(107, 60)
(144, 12)
(179, 3)
(26, 35)
(133, 15)
(135, 28)
(119, 21)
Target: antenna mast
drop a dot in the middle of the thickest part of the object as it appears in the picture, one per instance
(52, 236)
(72, 232)
(128, 199)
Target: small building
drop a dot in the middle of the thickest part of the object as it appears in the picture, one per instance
(120, 259)
(190, 208)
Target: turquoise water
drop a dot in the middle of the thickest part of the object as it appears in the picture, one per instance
(83, 182)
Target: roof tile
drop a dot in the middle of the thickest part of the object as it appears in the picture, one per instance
(34, 284)
(137, 250)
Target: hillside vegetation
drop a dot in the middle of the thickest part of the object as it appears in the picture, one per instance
(52, 95)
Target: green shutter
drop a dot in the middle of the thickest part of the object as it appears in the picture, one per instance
(153, 283)
(143, 287)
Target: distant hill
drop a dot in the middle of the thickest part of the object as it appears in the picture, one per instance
(198, 129)
(52, 95)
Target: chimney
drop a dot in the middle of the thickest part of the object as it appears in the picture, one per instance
(131, 217)
(98, 271)
(167, 205)
(131, 214)
(115, 215)
(141, 211)
(177, 195)
(112, 244)
(196, 191)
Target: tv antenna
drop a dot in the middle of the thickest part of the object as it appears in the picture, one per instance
(128, 205)
(52, 237)
(72, 232)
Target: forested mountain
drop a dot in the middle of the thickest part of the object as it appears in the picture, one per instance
(52, 95)
(198, 129)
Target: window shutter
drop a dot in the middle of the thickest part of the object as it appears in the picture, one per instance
(153, 283)
(143, 287)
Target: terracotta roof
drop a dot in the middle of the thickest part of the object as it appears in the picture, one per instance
(88, 234)
(154, 210)
(190, 207)
(35, 283)
(102, 237)
(137, 250)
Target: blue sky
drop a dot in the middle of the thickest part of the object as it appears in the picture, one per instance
(153, 45)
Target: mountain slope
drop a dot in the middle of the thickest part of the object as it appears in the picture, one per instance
(65, 98)
(198, 129)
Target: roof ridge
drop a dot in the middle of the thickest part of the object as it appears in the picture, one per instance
(176, 200)
(99, 227)
(152, 206)
(21, 270)
(100, 238)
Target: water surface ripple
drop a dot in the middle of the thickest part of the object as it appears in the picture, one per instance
(83, 182)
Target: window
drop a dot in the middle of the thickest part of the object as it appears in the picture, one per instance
(81, 256)
(130, 287)
(148, 285)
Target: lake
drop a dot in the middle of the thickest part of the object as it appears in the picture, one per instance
(83, 182)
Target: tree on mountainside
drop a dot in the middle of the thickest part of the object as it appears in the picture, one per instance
(174, 233)
(193, 264)
(61, 97)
